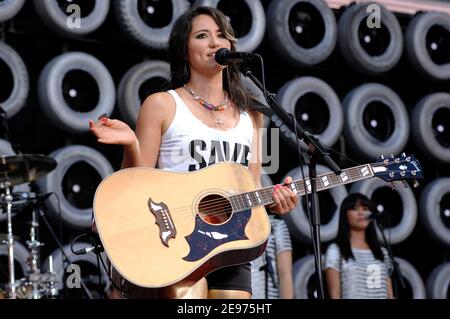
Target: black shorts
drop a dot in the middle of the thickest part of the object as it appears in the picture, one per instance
(237, 277)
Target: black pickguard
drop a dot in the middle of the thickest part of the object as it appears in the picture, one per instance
(201, 241)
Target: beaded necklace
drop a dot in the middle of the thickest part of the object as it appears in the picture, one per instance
(205, 103)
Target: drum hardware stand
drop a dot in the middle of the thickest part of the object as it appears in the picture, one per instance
(17, 170)
(33, 246)
(9, 242)
(36, 278)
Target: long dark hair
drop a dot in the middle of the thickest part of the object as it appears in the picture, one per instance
(178, 53)
(343, 236)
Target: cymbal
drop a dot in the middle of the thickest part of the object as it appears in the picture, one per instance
(25, 168)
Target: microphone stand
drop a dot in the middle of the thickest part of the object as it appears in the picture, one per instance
(315, 151)
(397, 270)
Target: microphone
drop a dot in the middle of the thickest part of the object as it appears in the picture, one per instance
(224, 56)
(371, 215)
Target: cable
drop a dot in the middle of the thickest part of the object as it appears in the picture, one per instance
(74, 241)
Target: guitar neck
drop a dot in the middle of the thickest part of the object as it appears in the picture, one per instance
(263, 196)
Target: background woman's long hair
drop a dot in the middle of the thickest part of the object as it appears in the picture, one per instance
(178, 54)
(343, 236)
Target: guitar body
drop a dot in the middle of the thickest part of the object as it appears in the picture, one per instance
(163, 228)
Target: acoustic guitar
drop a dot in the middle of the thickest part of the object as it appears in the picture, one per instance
(160, 228)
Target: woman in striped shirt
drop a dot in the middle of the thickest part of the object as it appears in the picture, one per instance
(356, 266)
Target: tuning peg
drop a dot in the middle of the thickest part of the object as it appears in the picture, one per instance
(403, 154)
(392, 155)
(416, 183)
(382, 156)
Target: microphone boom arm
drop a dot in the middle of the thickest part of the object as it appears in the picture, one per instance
(315, 146)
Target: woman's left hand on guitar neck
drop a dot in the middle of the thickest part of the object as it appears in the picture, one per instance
(284, 198)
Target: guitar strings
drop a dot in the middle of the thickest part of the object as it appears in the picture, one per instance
(215, 207)
(268, 189)
(212, 204)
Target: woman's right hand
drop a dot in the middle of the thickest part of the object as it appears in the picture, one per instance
(109, 131)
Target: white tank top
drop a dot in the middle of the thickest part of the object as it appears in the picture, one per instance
(189, 144)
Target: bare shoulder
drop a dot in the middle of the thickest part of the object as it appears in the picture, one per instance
(157, 108)
(157, 102)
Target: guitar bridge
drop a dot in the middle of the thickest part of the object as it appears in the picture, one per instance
(164, 221)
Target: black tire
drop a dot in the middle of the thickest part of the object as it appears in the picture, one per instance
(362, 129)
(296, 46)
(428, 29)
(54, 103)
(434, 207)
(297, 220)
(375, 59)
(59, 267)
(67, 190)
(9, 8)
(248, 40)
(412, 276)
(151, 37)
(388, 206)
(20, 86)
(320, 108)
(128, 94)
(18, 204)
(303, 269)
(57, 19)
(430, 122)
(21, 256)
(438, 282)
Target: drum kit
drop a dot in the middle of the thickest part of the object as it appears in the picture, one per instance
(16, 170)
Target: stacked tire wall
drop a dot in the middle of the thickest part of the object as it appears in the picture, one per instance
(364, 91)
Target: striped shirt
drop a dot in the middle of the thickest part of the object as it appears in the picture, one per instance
(278, 242)
(362, 278)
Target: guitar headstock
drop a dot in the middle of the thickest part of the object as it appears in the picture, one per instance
(404, 167)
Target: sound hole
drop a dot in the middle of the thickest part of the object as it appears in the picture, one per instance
(214, 209)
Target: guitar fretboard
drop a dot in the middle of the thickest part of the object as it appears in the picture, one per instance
(263, 196)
